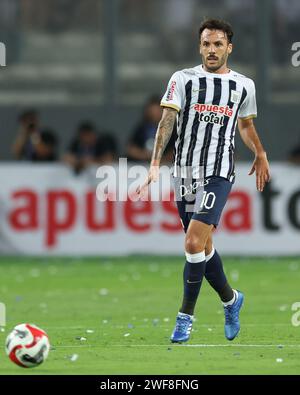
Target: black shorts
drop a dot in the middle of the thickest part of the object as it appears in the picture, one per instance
(202, 201)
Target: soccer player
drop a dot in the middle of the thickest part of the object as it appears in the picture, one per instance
(207, 102)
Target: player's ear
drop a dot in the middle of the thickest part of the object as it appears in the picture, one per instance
(229, 48)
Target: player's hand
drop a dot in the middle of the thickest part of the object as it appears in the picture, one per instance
(262, 169)
(152, 177)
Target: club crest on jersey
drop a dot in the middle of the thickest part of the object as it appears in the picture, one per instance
(212, 113)
(235, 97)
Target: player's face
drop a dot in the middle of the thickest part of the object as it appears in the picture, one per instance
(214, 49)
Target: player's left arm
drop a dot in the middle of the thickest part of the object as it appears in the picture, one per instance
(260, 164)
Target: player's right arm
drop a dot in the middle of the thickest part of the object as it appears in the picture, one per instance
(172, 102)
(163, 135)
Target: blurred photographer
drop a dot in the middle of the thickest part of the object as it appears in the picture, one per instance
(45, 147)
(141, 143)
(23, 147)
(82, 150)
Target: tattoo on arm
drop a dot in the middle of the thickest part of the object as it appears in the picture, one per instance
(164, 132)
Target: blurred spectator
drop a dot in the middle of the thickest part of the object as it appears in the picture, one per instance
(23, 147)
(32, 144)
(45, 147)
(106, 149)
(82, 151)
(141, 143)
(88, 149)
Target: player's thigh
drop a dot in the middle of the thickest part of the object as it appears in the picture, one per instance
(211, 200)
(184, 202)
(196, 236)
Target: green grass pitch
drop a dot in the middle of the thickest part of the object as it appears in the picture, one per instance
(125, 308)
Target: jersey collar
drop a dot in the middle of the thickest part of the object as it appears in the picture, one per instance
(201, 69)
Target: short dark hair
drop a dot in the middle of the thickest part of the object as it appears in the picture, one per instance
(29, 113)
(217, 24)
(48, 137)
(86, 126)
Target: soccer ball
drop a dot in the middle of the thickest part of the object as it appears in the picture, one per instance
(27, 345)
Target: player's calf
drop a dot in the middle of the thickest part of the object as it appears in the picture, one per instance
(192, 275)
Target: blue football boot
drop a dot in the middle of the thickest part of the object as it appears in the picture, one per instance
(232, 323)
(182, 329)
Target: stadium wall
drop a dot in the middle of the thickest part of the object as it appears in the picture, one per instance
(47, 210)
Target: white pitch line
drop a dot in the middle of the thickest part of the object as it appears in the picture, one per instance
(243, 345)
(208, 345)
(183, 345)
(136, 325)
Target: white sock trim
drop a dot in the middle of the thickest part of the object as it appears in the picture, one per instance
(235, 296)
(184, 314)
(209, 256)
(195, 258)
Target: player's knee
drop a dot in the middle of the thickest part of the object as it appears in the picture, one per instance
(193, 245)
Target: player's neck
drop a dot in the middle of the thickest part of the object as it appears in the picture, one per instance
(222, 70)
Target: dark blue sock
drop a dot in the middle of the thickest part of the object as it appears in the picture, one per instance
(215, 275)
(192, 279)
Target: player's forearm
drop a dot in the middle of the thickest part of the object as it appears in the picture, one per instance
(251, 139)
(163, 135)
